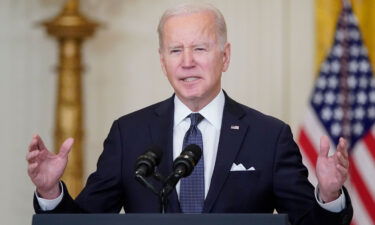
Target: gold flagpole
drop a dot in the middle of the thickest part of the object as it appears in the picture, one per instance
(70, 28)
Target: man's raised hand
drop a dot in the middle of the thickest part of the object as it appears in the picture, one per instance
(331, 171)
(46, 168)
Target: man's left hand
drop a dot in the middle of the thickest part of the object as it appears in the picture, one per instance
(332, 171)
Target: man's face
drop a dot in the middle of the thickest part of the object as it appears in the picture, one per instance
(192, 58)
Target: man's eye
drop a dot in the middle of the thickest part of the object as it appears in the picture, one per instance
(175, 51)
(200, 49)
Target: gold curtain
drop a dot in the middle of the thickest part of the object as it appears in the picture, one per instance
(326, 15)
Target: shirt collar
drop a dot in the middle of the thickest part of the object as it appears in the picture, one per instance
(213, 112)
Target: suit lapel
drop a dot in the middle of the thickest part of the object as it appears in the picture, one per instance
(233, 131)
(161, 129)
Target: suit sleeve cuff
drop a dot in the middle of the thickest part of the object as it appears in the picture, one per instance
(335, 206)
(50, 204)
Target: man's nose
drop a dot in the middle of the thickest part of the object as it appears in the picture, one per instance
(188, 59)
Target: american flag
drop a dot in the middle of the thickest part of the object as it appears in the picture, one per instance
(343, 104)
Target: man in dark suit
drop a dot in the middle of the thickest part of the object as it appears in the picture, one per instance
(250, 162)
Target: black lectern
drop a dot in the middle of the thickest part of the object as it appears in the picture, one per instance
(160, 219)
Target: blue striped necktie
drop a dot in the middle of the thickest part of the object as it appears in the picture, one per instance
(192, 187)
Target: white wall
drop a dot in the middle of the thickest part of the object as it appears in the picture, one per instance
(271, 70)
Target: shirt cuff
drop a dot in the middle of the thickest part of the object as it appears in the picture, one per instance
(50, 204)
(335, 206)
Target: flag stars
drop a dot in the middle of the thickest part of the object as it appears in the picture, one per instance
(355, 50)
(353, 66)
(354, 34)
(338, 50)
(318, 98)
(332, 82)
(352, 82)
(338, 113)
(335, 66)
(329, 97)
(357, 129)
(335, 129)
(361, 98)
(325, 67)
(364, 66)
(359, 113)
(326, 114)
(321, 83)
(340, 35)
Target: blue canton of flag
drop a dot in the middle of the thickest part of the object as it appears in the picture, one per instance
(344, 93)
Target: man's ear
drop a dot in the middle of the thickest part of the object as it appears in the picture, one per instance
(162, 63)
(226, 56)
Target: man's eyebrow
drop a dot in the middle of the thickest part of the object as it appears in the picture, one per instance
(201, 45)
(175, 46)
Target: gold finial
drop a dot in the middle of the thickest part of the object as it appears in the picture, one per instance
(70, 23)
(71, 7)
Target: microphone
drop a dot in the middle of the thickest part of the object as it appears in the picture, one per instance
(184, 164)
(146, 163)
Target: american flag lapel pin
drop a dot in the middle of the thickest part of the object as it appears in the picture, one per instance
(234, 127)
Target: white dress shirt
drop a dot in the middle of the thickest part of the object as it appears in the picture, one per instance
(210, 128)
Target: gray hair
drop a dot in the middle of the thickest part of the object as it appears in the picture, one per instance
(191, 8)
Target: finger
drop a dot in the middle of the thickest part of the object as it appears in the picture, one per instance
(66, 147)
(324, 146)
(342, 170)
(342, 160)
(31, 169)
(33, 144)
(335, 159)
(343, 147)
(40, 143)
(31, 156)
(343, 173)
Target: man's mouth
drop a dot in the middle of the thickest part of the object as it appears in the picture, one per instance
(190, 79)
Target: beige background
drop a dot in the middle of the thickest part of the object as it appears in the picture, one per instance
(271, 70)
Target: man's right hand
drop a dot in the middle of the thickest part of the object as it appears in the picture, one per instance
(46, 168)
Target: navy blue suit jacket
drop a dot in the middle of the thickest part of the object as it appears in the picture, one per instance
(263, 142)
